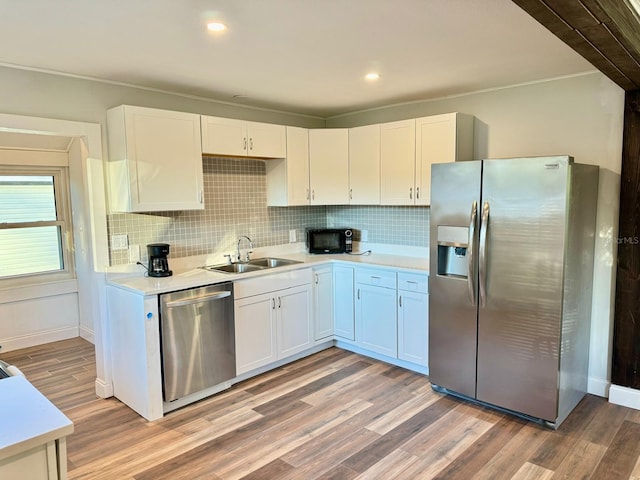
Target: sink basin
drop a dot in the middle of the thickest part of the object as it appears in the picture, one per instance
(234, 268)
(270, 262)
(252, 266)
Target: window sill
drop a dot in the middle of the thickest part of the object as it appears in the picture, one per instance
(30, 292)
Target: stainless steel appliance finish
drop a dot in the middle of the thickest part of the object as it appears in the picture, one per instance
(198, 339)
(512, 264)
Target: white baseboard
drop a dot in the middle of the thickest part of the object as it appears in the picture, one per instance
(625, 396)
(87, 334)
(38, 338)
(103, 389)
(598, 386)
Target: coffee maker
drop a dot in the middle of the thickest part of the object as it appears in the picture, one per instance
(158, 264)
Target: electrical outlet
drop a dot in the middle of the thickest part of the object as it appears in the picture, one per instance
(119, 242)
(364, 235)
(134, 253)
(292, 236)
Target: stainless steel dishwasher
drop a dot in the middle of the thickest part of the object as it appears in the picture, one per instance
(198, 339)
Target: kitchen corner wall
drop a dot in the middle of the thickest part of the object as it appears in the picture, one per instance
(235, 197)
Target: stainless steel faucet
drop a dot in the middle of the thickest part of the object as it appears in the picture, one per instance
(246, 259)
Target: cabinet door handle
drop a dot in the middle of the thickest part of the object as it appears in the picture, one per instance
(316, 278)
(411, 193)
(375, 277)
(279, 302)
(417, 193)
(307, 194)
(201, 197)
(273, 304)
(313, 194)
(244, 143)
(351, 194)
(251, 144)
(358, 294)
(411, 281)
(400, 300)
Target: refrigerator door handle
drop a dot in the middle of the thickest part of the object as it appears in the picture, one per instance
(470, 250)
(482, 255)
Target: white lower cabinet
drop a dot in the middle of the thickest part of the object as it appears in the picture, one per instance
(293, 322)
(376, 320)
(255, 322)
(413, 327)
(413, 318)
(272, 318)
(343, 302)
(322, 302)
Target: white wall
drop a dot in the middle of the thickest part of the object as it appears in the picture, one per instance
(581, 116)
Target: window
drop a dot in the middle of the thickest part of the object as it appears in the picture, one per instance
(35, 231)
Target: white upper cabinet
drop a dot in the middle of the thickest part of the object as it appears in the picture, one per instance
(440, 139)
(408, 148)
(329, 166)
(364, 165)
(226, 136)
(397, 162)
(288, 178)
(155, 160)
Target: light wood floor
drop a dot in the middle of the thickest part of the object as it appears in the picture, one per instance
(334, 415)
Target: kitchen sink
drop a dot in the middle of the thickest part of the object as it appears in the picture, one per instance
(270, 262)
(252, 266)
(234, 268)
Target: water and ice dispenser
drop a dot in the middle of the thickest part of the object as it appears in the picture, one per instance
(452, 251)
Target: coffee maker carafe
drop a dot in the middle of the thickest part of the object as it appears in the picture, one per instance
(158, 264)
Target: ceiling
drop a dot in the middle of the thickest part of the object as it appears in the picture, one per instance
(299, 56)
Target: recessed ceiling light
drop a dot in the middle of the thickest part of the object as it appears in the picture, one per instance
(372, 76)
(216, 26)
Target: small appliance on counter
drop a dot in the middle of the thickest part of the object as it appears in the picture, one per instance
(329, 240)
(158, 264)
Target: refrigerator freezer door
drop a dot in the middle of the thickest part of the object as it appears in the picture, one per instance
(519, 324)
(455, 190)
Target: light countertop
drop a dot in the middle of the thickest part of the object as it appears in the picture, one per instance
(29, 419)
(197, 277)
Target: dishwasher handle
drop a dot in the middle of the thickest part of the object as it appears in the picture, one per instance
(201, 299)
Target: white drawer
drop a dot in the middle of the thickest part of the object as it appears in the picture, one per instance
(413, 282)
(271, 282)
(380, 278)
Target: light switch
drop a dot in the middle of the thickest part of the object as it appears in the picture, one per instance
(119, 242)
(134, 253)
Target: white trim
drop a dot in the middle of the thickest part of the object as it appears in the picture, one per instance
(625, 396)
(157, 90)
(30, 292)
(16, 343)
(598, 386)
(464, 94)
(87, 334)
(103, 389)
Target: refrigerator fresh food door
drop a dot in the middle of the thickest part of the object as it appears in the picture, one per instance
(455, 200)
(521, 254)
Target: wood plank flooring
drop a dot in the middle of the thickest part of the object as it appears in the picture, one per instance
(334, 415)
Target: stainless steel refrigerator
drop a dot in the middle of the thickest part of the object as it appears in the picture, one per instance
(511, 267)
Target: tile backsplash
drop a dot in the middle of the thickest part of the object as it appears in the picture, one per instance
(235, 199)
(391, 225)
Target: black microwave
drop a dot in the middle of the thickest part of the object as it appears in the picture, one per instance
(329, 240)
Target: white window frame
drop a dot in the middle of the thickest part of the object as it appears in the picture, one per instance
(60, 176)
